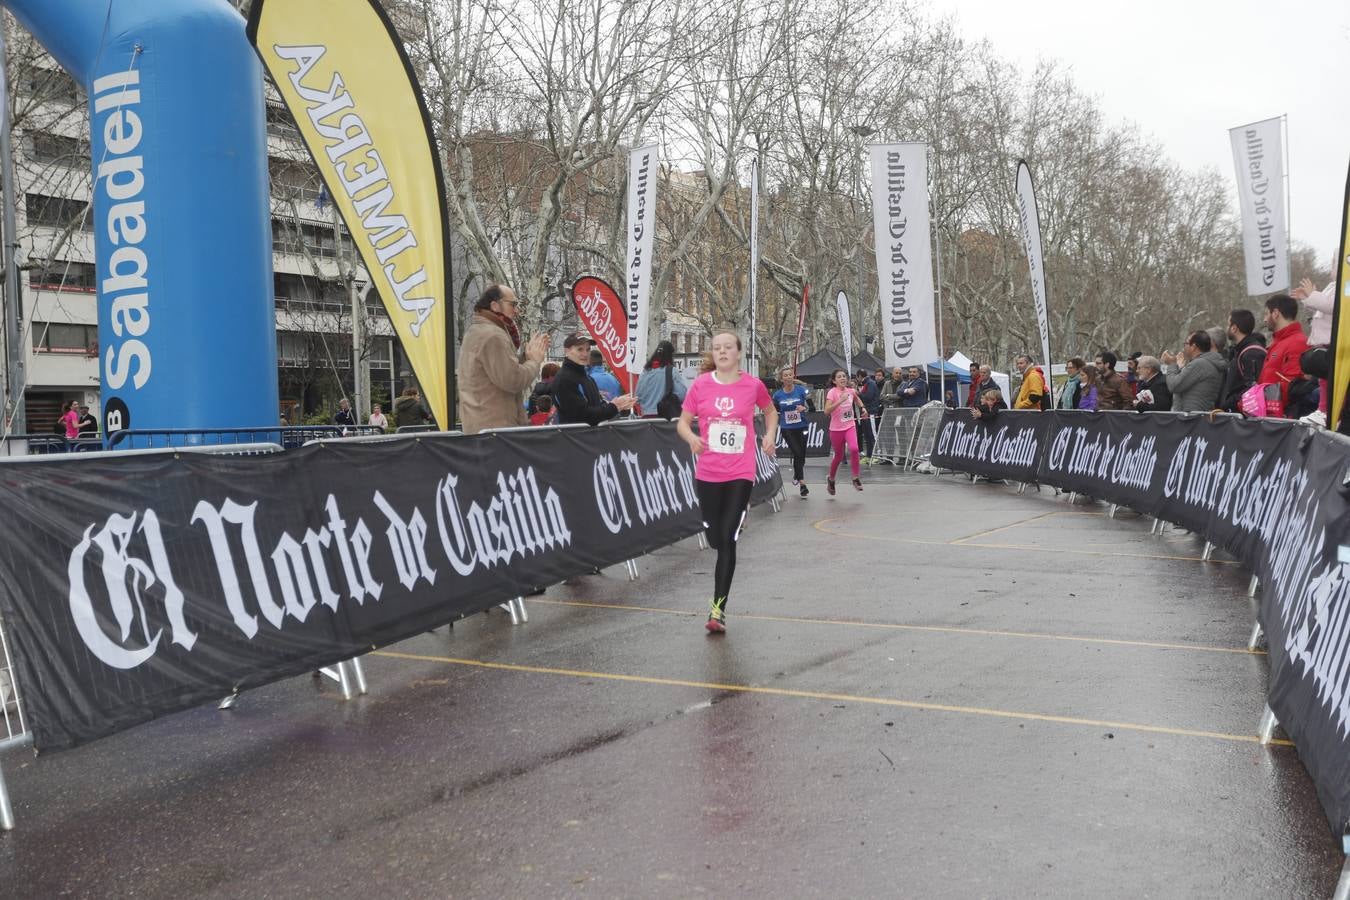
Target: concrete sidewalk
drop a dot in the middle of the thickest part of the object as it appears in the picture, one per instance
(928, 689)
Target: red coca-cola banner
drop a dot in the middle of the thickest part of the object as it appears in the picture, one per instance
(599, 306)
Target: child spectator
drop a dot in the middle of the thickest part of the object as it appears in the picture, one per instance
(543, 410)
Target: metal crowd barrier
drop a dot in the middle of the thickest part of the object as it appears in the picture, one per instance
(895, 434)
(926, 426)
(15, 732)
(289, 437)
(42, 444)
(348, 674)
(1265, 728)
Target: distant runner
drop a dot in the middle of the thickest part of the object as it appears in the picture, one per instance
(724, 402)
(793, 405)
(845, 408)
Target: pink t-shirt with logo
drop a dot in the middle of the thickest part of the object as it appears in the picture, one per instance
(844, 416)
(726, 422)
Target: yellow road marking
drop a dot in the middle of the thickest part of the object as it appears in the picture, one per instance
(989, 531)
(891, 539)
(896, 626)
(825, 695)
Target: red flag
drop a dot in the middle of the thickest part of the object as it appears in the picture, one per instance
(599, 306)
(801, 324)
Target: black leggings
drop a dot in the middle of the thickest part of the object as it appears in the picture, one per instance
(723, 504)
(796, 441)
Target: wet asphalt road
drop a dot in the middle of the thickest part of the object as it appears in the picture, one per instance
(930, 689)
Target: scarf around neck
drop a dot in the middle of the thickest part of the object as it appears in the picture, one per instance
(502, 322)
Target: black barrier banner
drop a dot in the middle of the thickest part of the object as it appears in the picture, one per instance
(140, 585)
(1272, 493)
(817, 436)
(1007, 446)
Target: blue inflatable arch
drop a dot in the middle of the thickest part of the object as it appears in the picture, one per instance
(183, 239)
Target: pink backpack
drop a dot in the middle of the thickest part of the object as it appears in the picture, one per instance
(1262, 401)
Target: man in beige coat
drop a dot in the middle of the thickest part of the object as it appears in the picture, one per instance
(492, 378)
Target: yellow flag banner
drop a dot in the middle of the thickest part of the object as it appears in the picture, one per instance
(342, 71)
(1340, 327)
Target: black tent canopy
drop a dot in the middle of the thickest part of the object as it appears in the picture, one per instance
(865, 360)
(815, 370)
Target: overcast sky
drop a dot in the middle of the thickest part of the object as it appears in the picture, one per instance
(1185, 71)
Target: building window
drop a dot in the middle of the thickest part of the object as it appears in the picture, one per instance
(280, 123)
(52, 84)
(292, 349)
(56, 148)
(702, 342)
(64, 276)
(62, 337)
(301, 293)
(57, 212)
(294, 181)
(301, 238)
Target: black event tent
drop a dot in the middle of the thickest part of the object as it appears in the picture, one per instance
(864, 360)
(815, 370)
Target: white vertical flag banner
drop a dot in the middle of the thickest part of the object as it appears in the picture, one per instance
(1258, 157)
(845, 328)
(1030, 218)
(641, 238)
(754, 264)
(904, 253)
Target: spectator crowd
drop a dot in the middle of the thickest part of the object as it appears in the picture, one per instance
(1268, 368)
(1275, 370)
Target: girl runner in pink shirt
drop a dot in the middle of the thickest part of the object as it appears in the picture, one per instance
(724, 402)
(845, 410)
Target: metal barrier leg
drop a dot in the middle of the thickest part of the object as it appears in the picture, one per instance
(774, 504)
(343, 681)
(510, 607)
(702, 541)
(1267, 726)
(632, 569)
(1254, 641)
(358, 674)
(1343, 886)
(339, 674)
(6, 810)
(1022, 488)
(1073, 498)
(228, 702)
(1252, 586)
(1208, 552)
(1111, 513)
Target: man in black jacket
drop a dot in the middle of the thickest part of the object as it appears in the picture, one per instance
(1246, 357)
(574, 392)
(1153, 394)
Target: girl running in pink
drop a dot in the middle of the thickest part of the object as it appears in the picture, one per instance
(724, 402)
(845, 409)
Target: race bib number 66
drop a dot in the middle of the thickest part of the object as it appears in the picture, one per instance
(725, 436)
